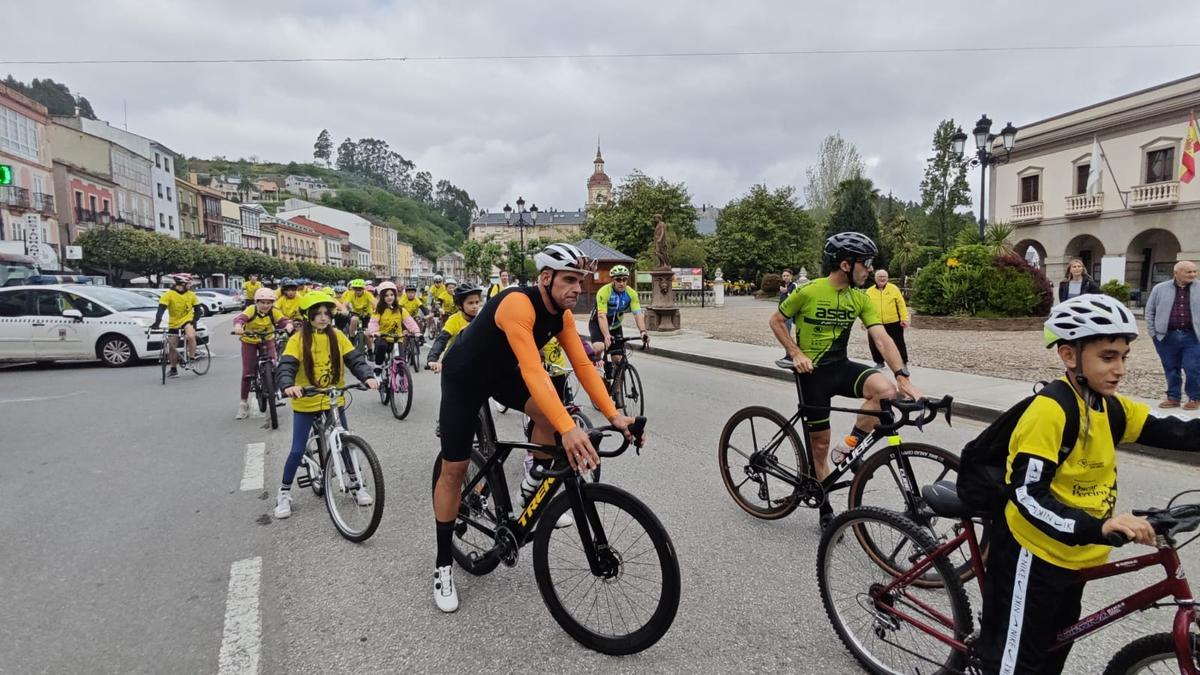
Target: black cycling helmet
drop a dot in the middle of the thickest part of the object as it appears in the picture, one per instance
(463, 292)
(289, 283)
(849, 246)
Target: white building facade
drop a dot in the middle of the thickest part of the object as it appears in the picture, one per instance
(358, 227)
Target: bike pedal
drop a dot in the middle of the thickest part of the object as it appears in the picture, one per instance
(303, 481)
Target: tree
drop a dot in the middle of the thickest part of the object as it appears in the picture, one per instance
(854, 211)
(837, 161)
(626, 221)
(57, 97)
(903, 243)
(346, 159)
(762, 231)
(422, 187)
(85, 108)
(454, 203)
(244, 188)
(945, 187)
(323, 148)
(481, 256)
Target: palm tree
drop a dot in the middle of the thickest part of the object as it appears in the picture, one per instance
(245, 188)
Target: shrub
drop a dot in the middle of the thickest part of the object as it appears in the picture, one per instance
(771, 283)
(971, 281)
(1116, 289)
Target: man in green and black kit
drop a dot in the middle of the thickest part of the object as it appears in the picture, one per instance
(824, 311)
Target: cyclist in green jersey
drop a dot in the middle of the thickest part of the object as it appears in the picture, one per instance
(824, 311)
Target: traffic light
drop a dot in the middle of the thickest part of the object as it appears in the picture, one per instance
(6, 174)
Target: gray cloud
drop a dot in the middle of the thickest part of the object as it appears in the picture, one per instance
(528, 127)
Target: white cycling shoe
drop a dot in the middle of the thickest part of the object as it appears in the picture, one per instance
(283, 504)
(445, 593)
(243, 410)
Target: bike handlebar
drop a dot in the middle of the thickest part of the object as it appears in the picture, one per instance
(1167, 522)
(621, 341)
(333, 391)
(595, 436)
(926, 408)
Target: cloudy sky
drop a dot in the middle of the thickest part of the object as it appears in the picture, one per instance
(503, 127)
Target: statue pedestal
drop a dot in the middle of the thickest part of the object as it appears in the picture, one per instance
(662, 314)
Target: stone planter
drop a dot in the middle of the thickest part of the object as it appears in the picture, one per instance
(977, 324)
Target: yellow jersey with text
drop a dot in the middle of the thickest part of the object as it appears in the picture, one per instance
(259, 323)
(391, 320)
(322, 369)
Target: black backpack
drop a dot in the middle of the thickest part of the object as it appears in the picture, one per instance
(985, 459)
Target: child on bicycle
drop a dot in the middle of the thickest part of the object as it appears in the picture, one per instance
(261, 317)
(316, 357)
(468, 300)
(389, 318)
(1061, 503)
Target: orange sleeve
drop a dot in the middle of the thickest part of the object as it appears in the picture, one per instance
(592, 383)
(515, 317)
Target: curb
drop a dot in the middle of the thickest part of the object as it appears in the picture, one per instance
(971, 411)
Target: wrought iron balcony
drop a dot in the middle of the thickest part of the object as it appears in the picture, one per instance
(14, 197)
(83, 215)
(44, 203)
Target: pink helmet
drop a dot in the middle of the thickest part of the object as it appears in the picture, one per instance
(385, 286)
(264, 294)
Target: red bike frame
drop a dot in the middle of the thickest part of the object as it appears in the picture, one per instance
(1174, 586)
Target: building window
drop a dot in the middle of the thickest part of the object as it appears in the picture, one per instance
(18, 134)
(171, 222)
(106, 206)
(1081, 177)
(157, 160)
(1160, 165)
(162, 221)
(1029, 188)
(166, 165)
(169, 193)
(160, 192)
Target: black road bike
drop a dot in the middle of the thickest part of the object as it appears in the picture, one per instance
(624, 382)
(262, 387)
(611, 581)
(412, 352)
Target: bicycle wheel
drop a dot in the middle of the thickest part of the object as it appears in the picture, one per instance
(401, 383)
(344, 485)
(163, 359)
(267, 395)
(753, 440)
(202, 362)
(314, 464)
(385, 386)
(1152, 654)
(848, 580)
(881, 482)
(633, 400)
(632, 602)
(475, 526)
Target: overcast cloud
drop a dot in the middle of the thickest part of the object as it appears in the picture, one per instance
(529, 127)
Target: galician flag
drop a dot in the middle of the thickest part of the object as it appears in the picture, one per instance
(1190, 146)
(1094, 168)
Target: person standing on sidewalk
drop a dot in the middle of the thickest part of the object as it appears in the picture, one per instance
(1077, 282)
(786, 286)
(1173, 319)
(894, 314)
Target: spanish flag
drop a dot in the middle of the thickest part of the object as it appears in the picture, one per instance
(1190, 146)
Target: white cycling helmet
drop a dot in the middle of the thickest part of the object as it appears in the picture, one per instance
(1086, 316)
(563, 257)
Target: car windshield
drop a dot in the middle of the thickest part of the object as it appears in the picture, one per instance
(116, 298)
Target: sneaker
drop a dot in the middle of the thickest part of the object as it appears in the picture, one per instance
(445, 594)
(243, 410)
(362, 497)
(173, 372)
(283, 504)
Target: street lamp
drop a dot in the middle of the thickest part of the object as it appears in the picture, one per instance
(521, 225)
(984, 157)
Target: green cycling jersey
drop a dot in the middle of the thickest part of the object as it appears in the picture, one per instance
(824, 316)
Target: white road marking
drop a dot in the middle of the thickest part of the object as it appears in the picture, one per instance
(41, 398)
(242, 640)
(252, 474)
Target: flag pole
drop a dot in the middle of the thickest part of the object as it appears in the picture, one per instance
(1120, 193)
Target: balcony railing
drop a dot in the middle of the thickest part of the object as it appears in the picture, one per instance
(1029, 212)
(1154, 195)
(44, 203)
(83, 215)
(1084, 205)
(104, 218)
(14, 197)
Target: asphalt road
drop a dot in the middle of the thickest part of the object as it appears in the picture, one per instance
(130, 545)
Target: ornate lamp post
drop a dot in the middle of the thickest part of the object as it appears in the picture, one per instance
(984, 157)
(521, 225)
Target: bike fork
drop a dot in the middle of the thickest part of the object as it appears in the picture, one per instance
(591, 530)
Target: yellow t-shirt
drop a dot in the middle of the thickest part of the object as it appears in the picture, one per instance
(391, 320)
(322, 369)
(180, 307)
(455, 324)
(289, 306)
(359, 304)
(1086, 479)
(554, 356)
(250, 287)
(413, 307)
(258, 323)
(443, 295)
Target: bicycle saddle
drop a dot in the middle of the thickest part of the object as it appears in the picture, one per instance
(942, 498)
(786, 364)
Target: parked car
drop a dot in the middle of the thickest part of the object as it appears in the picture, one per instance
(232, 292)
(152, 293)
(217, 303)
(74, 321)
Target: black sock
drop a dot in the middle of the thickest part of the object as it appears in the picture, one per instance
(444, 532)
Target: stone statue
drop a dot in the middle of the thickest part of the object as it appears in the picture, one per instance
(661, 252)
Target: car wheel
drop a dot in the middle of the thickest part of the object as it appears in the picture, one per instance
(115, 351)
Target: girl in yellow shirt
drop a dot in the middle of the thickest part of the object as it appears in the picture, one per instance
(389, 319)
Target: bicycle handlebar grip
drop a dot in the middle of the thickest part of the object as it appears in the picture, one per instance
(1116, 539)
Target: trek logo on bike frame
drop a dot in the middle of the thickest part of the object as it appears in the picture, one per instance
(536, 501)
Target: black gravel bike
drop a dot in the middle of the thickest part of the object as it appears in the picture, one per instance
(624, 382)
(611, 581)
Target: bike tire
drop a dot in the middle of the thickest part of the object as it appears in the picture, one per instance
(660, 619)
(385, 389)
(1149, 650)
(877, 482)
(332, 489)
(633, 397)
(163, 359)
(268, 396)
(470, 555)
(400, 380)
(873, 631)
(773, 509)
(203, 360)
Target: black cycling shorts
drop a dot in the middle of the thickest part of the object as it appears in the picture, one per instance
(458, 417)
(843, 378)
(596, 336)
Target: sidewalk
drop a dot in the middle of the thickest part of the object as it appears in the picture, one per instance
(976, 397)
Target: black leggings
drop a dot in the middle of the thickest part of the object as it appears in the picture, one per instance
(382, 349)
